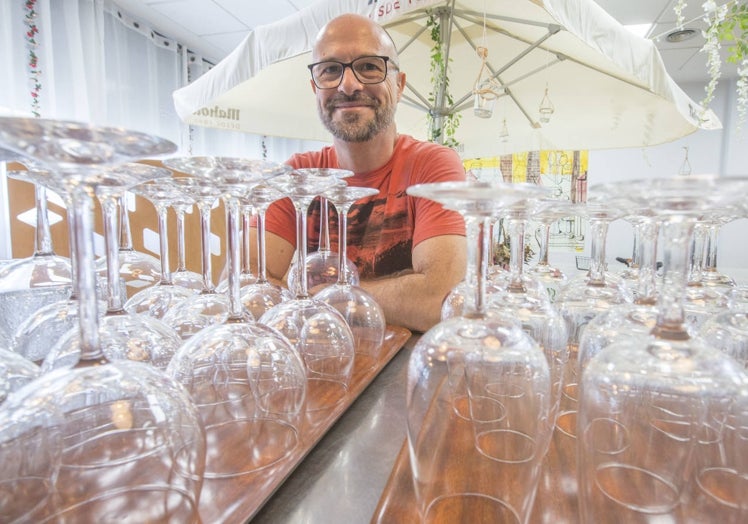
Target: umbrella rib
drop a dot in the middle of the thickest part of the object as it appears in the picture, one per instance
(464, 13)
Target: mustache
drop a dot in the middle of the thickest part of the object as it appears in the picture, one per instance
(356, 97)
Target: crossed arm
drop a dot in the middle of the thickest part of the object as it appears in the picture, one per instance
(413, 299)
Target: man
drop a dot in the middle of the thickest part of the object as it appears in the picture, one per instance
(410, 252)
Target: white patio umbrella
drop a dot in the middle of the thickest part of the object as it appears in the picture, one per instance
(608, 88)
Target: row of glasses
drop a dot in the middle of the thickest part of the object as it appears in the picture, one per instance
(318, 332)
(662, 412)
(110, 439)
(479, 389)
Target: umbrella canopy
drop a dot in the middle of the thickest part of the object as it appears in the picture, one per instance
(607, 87)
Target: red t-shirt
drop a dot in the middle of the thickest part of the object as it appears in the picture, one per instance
(384, 228)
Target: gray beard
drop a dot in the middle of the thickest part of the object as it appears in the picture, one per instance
(352, 129)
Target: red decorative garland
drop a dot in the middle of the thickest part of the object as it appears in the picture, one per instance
(32, 44)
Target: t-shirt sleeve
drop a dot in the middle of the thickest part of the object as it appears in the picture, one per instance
(440, 164)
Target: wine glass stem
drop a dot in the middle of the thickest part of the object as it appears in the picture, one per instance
(70, 206)
(111, 240)
(125, 239)
(87, 304)
(516, 230)
(477, 236)
(670, 320)
(342, 242)
(301, 283)
(543, 241)
(181, 265)
(262, 276)
(246, 251)
(646, 287)
(234, 257)
(598, 232)
(43, 237)
(205, 243)
(324, 225)
(710, 257)
(163, 242)
(696, 256)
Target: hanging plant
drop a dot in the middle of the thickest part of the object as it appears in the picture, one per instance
(727, 25)
(439, 67)
(33, 60)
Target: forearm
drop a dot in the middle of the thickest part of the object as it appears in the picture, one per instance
(409, 300)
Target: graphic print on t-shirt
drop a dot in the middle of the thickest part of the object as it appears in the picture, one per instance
(376, 245)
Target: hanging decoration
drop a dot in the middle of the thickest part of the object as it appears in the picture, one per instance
(32, 30)
(264, 147)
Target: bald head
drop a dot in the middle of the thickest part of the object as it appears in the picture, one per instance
(353, 30)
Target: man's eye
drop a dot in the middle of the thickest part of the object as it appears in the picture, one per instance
(330, 70)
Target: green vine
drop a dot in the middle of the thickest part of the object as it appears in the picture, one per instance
(439, 69)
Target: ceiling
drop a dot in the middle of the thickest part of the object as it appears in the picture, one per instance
(213, 28)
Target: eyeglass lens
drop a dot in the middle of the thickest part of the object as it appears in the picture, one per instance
(367, 69)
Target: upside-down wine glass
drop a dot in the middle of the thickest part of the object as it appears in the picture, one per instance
(478, 391)
(44, 267)
(550, 276)
(207, 307)
(183, 276)
(662, 416)
(317, 330)
(42, 328)
(522, 298)
(110, 440)
(360, 310)
(585, 297)
(139, 270)
(247, 380)
(122, 335)
(156, 300)
(262, 295)
(30, 284)
(322, 265)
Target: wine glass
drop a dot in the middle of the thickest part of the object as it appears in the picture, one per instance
(156, 300)
(183, 276)
(123, 335)
(29, 284)
(551, 276)
(478, 390)
(262, 295)
(43, 268)
(585, 297)
(246, 277)
(110, 440)
(663, 412)
(317, 330)
(41, 327)
(138, 270)
(246, 379)
(359, 309)
(522, 298)
(207, 307)
(322, 265)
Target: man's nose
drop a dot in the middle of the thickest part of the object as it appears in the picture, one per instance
(349, 83)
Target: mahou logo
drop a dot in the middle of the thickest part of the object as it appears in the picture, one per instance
(230, 113)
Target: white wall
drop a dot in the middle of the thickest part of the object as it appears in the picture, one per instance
(724, 152)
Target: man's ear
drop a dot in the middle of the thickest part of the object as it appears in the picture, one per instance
(400, 85)
(314, 87)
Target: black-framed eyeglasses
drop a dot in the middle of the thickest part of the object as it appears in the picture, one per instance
(366, 69)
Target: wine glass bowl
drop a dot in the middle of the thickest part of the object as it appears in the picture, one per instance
(156, 300)
(317, 330)
(359, 309)
(478, 389)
